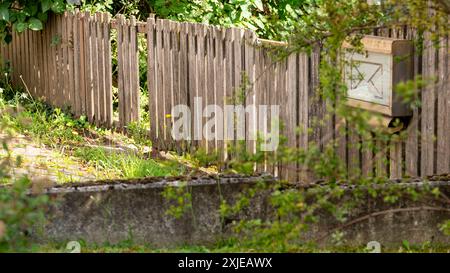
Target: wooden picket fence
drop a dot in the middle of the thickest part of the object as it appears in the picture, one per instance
(69, 64)
(188, 61)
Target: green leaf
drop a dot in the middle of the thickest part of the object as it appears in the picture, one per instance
(58, 6)
(4, 13)
(249, 25)
(20, 27)
(291, 11)
(18, 16)
(56, 40)
(46, 5)
(43, 17)
(246, 14)
(35, 24)
(259, 5)
(31, 9)
(406, 244)
(259, 23)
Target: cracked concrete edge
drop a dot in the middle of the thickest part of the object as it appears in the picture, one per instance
(163, 183)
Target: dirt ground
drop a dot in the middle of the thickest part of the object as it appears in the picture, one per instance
(41, 162)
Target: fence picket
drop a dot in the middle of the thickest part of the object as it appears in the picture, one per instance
(134, 71)
(210, 87)
(101, 105)
(184, 86)
(159, 87)
(167, 84)
(121, 69)
(443, 112)
(219, 71)
(151, 80)
(250, 89)
(428, 108)
(303, 113)
(412, 140)
(201, 81)
(174, 72)
(59, 44)
(95, 69)
(108, 70)
(127, 88)
(192, 79)
(237, 94)
(26, 61)
(396, 145)
(68, 98)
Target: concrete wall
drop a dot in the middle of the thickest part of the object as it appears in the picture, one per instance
(416, 221)
(114, 212)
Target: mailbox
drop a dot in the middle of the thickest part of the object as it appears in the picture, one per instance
(371, 77)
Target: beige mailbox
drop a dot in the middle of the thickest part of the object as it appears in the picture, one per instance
(371, 77)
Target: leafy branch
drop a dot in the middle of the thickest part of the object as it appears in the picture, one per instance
(21, 15)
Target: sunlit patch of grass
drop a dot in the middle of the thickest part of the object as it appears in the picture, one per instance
(61, 131)
(127, 165)
(50, 126)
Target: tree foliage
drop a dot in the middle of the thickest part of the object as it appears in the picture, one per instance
(20, 15)
(271, 19)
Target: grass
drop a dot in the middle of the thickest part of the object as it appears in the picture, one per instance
(126, 165)
(50, 126)
(61, 131)
(129, 246)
